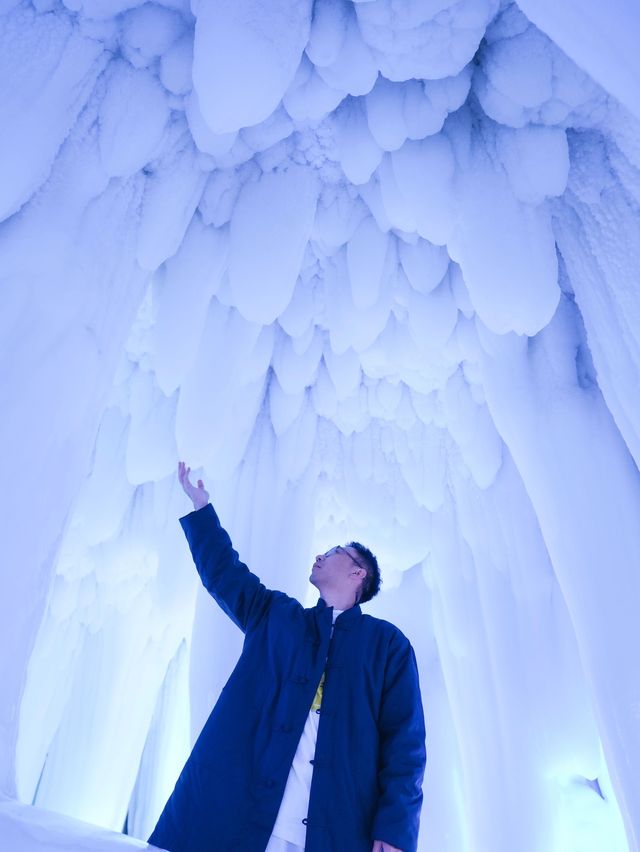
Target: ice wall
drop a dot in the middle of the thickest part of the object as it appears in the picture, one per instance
(371, 268)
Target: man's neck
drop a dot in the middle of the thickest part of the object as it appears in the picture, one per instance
(337, 602)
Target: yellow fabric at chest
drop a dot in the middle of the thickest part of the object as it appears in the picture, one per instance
(317, 701)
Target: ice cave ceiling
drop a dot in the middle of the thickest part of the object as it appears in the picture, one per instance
(372, 269)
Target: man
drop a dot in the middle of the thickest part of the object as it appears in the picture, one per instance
(317, 739)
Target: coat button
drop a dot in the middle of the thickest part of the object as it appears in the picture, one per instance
(304, 821)
(312, 762)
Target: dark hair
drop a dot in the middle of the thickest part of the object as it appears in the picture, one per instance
(371, 583)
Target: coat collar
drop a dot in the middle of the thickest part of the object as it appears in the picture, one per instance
(346, 619)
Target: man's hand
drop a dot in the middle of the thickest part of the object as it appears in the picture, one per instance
(381, 846)
(198, 495)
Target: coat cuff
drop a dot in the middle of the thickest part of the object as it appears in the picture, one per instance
(199, 516)
(402, 836)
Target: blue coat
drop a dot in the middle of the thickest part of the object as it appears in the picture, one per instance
(370, 752)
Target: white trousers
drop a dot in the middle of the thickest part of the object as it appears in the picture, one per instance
(276, 844)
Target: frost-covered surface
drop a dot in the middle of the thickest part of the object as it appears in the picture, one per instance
(25, 827)
(371, 268)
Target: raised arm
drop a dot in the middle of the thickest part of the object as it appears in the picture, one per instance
(238, 592)
(402, 753)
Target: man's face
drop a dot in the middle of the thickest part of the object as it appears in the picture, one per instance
(339, 569)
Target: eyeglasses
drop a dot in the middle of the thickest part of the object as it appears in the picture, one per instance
(339, 549)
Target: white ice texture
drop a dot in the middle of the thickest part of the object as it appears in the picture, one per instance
(371, 269)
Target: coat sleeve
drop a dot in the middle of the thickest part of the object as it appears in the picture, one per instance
(237, 591)
(402, 752)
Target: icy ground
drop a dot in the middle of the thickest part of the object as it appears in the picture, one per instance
(28, 827)
(372, 268)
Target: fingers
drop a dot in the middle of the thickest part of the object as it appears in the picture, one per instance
(183, 475)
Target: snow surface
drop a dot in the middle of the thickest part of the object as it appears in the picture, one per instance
(25, 827)
(370, 268)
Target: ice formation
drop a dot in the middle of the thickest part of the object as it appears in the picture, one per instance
(370, 267)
